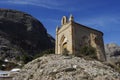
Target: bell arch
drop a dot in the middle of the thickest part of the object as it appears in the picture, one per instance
(64, 20)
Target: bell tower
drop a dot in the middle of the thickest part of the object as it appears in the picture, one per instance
(64, 20)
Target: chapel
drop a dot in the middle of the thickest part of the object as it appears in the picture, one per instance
(71, 36)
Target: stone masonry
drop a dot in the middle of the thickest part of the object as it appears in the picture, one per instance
(71, 36)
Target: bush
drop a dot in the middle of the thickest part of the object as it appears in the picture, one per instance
(87, 52)
(113, 65)
(46, 52)
(26, 58)
(1, 67)
(65, 52)
(49, 51)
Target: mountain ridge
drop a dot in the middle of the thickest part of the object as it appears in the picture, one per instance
(22, 34)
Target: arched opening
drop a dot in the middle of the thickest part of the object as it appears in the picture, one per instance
(64, 20)
(63, 44)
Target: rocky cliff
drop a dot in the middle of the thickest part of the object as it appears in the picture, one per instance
(58, 67)
(21, 34)
(112, 52)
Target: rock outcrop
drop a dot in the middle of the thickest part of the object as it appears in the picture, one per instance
(58, 67)
(112, 52)
(20, 33)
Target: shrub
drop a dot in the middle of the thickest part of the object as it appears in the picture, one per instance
(1, 67)
(26, 58)
(87, 52)
(46, 52)
(65, 52)
(49, 51)
(113, 65)
(17, 58)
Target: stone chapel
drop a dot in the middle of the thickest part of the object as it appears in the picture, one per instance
(71, 36)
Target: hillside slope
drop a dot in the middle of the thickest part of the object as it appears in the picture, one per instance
(58, 67)
(21, 34)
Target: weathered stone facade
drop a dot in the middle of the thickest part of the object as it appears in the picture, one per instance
(71, 36)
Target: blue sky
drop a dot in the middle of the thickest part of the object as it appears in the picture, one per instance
(103, 15)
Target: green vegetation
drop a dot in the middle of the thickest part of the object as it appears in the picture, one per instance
(26, 58)
(87, 52)
(65, 52)
(46, 52)
(1, 67)
(115, 66)
(8, 65)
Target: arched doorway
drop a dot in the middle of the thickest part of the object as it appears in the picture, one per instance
(63, 44)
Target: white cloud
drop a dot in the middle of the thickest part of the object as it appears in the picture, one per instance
(50, 4)
(41, 3)
(103, 21)
(62, 5)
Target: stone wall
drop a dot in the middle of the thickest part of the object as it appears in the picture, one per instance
(64, 36)
(84, 36)
(72, 36)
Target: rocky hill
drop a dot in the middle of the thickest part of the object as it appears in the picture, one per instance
(58, 67)
(112, 52)
(21, 34)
